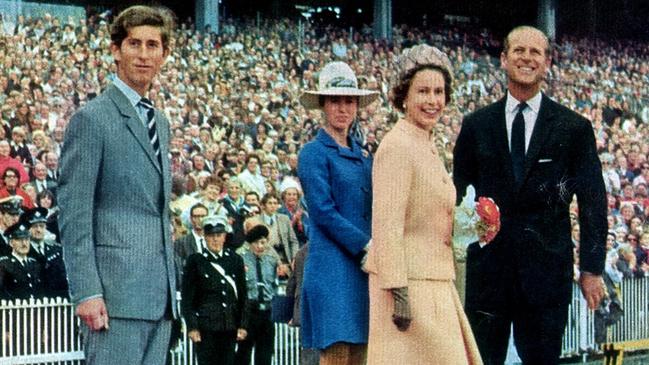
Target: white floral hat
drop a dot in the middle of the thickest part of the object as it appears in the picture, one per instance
(421, 55)
(337, 79)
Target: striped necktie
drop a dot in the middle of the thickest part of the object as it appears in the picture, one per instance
(153, 134)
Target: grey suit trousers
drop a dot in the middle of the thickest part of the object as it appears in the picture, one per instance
(128, 342)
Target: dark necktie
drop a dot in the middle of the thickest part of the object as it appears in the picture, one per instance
(150, 123)
(518, 144)
(260, 281)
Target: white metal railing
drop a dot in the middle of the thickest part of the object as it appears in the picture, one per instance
(634, 325)
(37, 331)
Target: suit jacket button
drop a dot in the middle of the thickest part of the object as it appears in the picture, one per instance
(223, 292)
(222, 281)
(224, 305)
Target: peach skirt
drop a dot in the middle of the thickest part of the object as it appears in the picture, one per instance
(439, 332)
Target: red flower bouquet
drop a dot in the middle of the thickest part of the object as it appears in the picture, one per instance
(474, 221)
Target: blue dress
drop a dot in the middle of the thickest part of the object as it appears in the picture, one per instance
(337, 185)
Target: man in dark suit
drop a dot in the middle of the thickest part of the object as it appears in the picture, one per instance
(531, 159)
(114, 192)
(52, 164)
(194, 241)
(41, 181)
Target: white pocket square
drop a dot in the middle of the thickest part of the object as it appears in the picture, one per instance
(544, 160)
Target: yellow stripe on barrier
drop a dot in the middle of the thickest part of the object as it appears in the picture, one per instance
(614, 352)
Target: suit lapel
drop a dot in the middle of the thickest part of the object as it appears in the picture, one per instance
(134, 123)
(541, 131)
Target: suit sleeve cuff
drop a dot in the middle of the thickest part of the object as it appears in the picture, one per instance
(85, 299)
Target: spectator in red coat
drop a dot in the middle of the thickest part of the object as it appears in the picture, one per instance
(10, 179)
(7, 161)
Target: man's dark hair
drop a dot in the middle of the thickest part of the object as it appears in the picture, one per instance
(251, 156)
(12, 169)
(267, 197)
(139, 15)
(197, 206)
(252, 193)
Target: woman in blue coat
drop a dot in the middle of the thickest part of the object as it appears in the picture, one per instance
(335, 173)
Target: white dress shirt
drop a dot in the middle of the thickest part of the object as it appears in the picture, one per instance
(530, 114)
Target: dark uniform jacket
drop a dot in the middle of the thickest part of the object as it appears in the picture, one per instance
(5, 249)
(54, 277)
(209, 299)
(18, 281)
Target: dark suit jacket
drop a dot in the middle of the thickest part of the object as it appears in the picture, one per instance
(18, 281)
(533, 248)
(54, 277)
(209, 301)
(114, 210)
(51, 186)
(237, 237)
(184, 247)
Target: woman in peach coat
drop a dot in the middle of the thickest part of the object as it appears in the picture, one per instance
(415, 313)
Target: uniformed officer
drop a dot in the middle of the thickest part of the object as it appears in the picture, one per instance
(47, 252)
(261, 280)
(214, 297)
(20, 275)
(9, 215)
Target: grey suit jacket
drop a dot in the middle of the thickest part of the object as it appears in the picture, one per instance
(184, 247)
(114, 200)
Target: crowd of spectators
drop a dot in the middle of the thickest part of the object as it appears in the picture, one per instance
(237, 126)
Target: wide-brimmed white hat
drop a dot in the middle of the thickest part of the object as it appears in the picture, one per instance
(337, 79)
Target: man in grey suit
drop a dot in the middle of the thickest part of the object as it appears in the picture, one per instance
(194, 241)
(114, 192)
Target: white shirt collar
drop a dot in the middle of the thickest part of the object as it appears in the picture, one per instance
(533, 103)
(132, 95)
(198, 239)
(217, 254)
(21, 259)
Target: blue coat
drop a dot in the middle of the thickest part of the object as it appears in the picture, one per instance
(337, 185)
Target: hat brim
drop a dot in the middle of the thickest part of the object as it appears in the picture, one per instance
(214, 230)
(311, 99)
(18, 236)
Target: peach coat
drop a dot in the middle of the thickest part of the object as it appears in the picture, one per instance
(412, 215)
